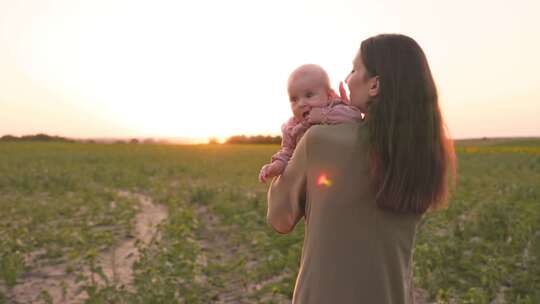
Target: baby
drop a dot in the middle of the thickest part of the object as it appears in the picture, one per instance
(312, 102)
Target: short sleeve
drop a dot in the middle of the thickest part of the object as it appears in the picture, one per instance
(287, 192)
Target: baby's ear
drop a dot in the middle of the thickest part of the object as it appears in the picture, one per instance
(332, 95)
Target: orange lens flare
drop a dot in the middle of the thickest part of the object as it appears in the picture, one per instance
(323, 180)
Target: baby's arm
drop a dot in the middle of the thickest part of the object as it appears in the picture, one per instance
(340, 113)
(281, 158)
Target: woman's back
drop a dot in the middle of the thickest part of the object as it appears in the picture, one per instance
(353, 251)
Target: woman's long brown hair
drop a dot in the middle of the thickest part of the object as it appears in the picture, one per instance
(413, 159)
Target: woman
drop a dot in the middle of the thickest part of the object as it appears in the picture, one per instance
(362, 187)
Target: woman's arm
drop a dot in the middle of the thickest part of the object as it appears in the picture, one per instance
(287, 192)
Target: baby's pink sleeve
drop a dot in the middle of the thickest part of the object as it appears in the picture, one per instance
(287, 143)
(342, 113)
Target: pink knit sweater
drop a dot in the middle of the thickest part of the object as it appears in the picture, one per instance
(293, 129)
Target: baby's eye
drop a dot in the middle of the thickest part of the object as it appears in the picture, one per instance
(309, 95)
(294, 99)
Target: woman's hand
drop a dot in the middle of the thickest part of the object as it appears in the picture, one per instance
(343, 94)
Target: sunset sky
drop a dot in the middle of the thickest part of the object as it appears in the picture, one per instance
(217, 68)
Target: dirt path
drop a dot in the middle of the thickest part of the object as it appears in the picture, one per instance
(116, 262)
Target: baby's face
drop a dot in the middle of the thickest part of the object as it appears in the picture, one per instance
(307, 92)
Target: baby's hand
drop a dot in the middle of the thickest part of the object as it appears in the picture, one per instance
(316, 116)
(270, 170)
(263, 175)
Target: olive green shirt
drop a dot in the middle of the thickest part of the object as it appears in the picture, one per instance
(353, 252)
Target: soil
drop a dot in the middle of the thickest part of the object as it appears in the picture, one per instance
(216, 247)
(116, 262)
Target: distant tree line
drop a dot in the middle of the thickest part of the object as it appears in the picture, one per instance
(257, 139)
(237, 139)
(37, 137)
(41, 137)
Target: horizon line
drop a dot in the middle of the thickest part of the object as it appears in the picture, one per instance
(199, 140)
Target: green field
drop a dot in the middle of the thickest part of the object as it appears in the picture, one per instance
(64, 206)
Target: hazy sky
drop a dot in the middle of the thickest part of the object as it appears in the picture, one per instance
(216, 68)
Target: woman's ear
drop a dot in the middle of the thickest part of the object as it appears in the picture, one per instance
(374, 85)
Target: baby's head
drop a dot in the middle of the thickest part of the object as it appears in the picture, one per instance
(308, 87)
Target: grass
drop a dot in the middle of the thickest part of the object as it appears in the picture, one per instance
(56, 202)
